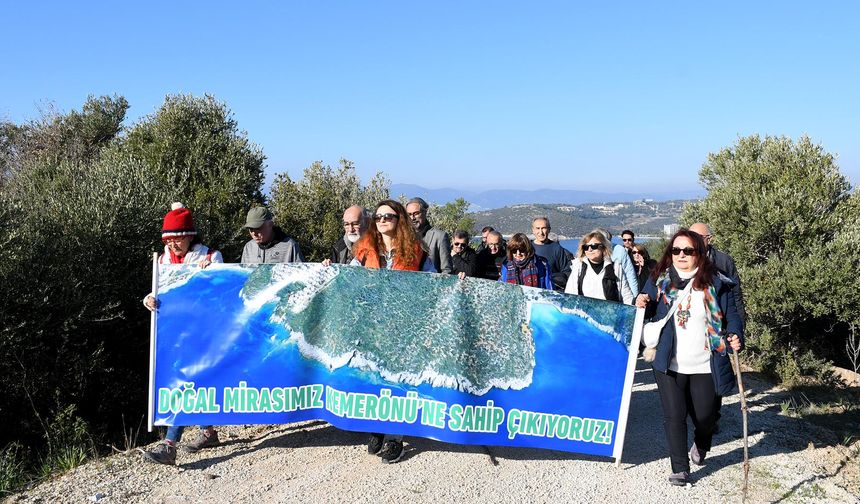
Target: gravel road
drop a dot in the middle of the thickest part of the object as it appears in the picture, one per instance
(792, 461)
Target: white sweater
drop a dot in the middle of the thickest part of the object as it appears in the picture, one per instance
(692, 348)
(592, 283)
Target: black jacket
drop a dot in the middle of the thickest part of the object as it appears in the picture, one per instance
(726, 265)
(489, 265)
(466, 261)
(340, 252)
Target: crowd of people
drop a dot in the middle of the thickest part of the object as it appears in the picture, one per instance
(692, 284)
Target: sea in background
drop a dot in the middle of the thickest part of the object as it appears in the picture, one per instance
(579, 369)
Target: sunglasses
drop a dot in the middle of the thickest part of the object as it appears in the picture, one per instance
(625, 240)
(458, 244)
(384, 217)
(636, 252)
(689, 251)
(518, 252)
(593, 246)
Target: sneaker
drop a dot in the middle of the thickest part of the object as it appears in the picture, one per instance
(374, 444)
(163, 453)
(392, 451)
(202, 441)
(697, 456)
(680, 478)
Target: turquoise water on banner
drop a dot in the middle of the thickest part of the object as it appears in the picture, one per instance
(207, 336)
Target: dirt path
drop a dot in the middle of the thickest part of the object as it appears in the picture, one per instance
(792, 461)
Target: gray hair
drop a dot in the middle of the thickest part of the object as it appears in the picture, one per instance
(420, 201)
(543, 218)
(604, 232)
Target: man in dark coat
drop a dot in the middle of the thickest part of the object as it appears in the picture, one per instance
(463, 258)
(556, 256)
(490, 259)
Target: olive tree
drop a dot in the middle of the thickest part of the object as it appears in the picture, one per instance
(780, 208)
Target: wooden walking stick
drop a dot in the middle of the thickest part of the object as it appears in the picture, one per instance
(737, 367)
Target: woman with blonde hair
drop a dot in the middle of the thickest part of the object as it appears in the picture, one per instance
(593, 273)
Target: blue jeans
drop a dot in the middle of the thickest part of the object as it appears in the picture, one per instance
(174, 432)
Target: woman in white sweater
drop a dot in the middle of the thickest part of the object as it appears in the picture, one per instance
(594, 275)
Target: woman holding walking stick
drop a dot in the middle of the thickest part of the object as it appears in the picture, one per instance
(700, 326)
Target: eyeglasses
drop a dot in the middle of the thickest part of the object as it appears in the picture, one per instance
(458, 244)
(686, 250)
(625, 240)
(385, 217)
(592, 246)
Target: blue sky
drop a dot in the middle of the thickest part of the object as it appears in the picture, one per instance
(597, 96)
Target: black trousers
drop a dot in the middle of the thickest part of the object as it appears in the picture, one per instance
(685, 395)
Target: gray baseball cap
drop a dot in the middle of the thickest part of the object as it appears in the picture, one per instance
(257, 216)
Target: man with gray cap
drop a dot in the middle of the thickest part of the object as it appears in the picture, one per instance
(436, 240)
(268, 243)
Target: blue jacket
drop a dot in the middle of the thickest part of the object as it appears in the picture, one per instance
(544, 273)
(721, 367)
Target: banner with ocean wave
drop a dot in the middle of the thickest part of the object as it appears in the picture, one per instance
(419, 354)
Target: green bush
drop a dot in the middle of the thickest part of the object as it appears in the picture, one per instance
(789, 218)
(81, 206)
(311, 209)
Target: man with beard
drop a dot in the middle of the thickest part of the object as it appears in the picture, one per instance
(269, 243)
(436, 240)
(355, 220)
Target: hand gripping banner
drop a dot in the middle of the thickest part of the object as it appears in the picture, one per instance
(463, 361)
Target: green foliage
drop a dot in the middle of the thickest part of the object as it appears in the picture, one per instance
(195, 147)
(69, 442)
(13, 469)
(785, 213)
(452, 216)
(311, 209)
(80, 214)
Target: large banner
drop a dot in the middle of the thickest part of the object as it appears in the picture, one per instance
(419, 354)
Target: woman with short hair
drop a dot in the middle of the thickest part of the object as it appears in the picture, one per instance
(593, 273)
(523, 267)
(696, 306)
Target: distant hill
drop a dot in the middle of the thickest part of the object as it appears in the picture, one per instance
(645, 218)
(498, 198)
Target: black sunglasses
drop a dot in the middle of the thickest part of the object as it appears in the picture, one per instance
(592, 246)
(384, 217)
(458, 244)
(627, 239)
(690, 251)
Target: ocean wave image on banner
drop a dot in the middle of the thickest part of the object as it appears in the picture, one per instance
(420, 354)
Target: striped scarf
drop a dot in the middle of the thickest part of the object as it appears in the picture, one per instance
(669, 284)
(524, 273)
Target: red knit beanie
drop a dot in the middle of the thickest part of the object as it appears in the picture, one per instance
(178, 222)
